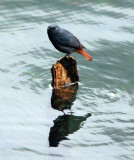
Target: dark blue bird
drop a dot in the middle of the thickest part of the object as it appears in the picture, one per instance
(65, 41)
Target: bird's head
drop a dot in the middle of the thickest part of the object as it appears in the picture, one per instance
(52, 27)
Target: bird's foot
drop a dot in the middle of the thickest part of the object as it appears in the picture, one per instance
(68, 55)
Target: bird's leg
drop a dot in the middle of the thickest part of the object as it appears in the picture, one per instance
(68, 55)
(63, 112)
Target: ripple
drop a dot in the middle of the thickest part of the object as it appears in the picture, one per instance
(106, 87)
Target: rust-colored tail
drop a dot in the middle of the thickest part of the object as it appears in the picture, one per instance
(87, 56)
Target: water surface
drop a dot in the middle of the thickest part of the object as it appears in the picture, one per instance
(101, 123)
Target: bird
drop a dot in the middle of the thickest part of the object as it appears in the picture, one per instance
(64, 41)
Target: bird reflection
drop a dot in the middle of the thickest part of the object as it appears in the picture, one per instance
(63, 126)
(64, 97)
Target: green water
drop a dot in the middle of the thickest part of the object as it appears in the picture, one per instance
(101, 124)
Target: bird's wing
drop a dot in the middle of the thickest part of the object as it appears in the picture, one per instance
(67, 39)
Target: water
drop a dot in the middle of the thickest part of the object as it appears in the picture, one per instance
(101, 123)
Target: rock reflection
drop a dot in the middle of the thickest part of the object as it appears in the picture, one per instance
(63, 98)
(63, 126)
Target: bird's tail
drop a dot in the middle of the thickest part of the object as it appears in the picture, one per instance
(87, 56)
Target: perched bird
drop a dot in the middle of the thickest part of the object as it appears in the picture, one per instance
(65, 41)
